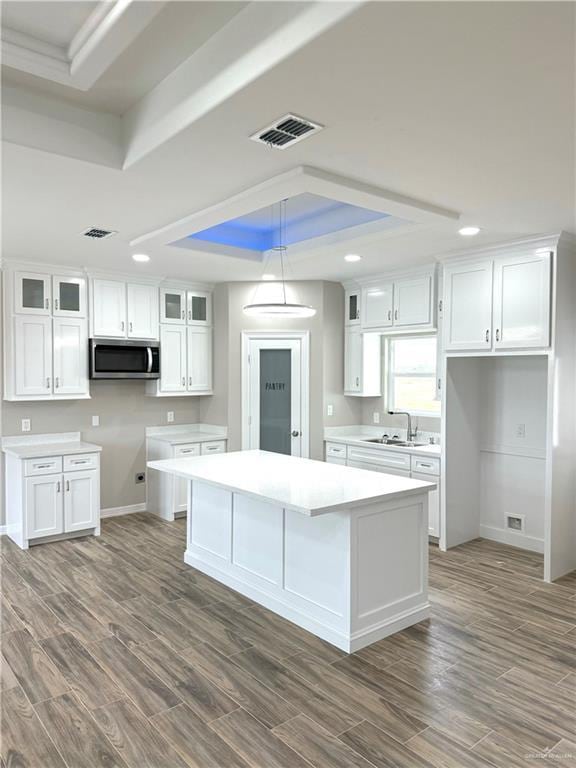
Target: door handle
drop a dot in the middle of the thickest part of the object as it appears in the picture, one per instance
(149, 354)
(295, 433)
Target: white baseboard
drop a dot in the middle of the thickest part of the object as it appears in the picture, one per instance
(129, 510)
(2, 530)
(512, 538)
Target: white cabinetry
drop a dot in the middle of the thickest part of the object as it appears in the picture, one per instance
(167, 495)
(186, 341)
(362, 363)
(51, 496)
(46, 337)
(497, 303)
(400, 303)
(123, 310)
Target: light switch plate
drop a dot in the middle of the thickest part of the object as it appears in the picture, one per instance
(330, 410)
(95, 421)
(25, 425)
(170, 417)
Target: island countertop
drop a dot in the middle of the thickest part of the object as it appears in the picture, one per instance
(303, 485)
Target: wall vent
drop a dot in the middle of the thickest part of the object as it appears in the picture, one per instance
(96, 233)
(286, 131)
(515, 523)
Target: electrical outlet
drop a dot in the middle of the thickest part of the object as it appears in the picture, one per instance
(330, 410)
(170, 417)
(25, 425)
(376, 417)
(95, 421)
(521, 430)
(140, 477)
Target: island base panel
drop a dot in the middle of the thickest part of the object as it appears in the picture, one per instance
(350, 577)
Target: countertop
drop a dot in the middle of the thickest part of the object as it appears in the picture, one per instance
(302, 485)
(360, 440)
(178, 438)
(53, 448)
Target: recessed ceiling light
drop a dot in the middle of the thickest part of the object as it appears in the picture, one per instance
(140, 257)
(268, 276)
(469, 231)
(352, 257)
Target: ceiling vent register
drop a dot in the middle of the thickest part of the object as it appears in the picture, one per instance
(96, 233)
(286, 131)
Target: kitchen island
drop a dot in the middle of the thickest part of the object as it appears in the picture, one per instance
(339, 551)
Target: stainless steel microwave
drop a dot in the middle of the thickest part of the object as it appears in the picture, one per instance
(124, 359)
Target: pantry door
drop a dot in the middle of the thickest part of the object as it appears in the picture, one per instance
(275, 394)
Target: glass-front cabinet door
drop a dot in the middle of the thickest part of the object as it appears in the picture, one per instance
(69, 296)
(172, 305)
(352, 308)
(199, 308)
(32, 295)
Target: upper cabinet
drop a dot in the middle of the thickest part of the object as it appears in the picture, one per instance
(352, 308)
(68, 296)
(32, 293)
(185, 306)
(497, 303)
(123, 310)
(393, 305)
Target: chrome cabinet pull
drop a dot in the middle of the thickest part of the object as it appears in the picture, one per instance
(55, 303)
(67, 485)
(357, 381)
(421, 463)
(58, 487)
(80, 461)
(487, 335)
(47, 304)
(130, 327)
(190, 381)
(47, 382)
(183, 381)
(44, 466)
(395, 314)
(183, 315)
(389, 314)
(57, 381)
(122, 325)
(189, 314)
(497, 334)
(187, 450)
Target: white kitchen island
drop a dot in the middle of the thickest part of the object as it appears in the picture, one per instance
(342, 552)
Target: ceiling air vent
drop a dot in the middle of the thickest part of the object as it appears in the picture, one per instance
(98, 234)
(286, 131)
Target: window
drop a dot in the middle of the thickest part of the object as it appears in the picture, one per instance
(411, 374)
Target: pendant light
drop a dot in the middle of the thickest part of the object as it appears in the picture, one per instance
(280, 308)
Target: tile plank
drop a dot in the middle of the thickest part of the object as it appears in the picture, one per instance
(34, 671)
(25, 743)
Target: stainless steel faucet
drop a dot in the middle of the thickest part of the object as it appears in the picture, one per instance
(410, 436)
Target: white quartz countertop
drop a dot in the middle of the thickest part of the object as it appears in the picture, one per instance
(302, 485)
(363, 440)
(194, 436)
(53, 448)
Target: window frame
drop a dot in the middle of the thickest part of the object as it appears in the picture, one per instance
(390, 375)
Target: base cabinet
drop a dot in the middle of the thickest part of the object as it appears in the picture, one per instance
(42, 502)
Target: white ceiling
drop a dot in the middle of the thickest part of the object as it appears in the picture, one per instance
(467, 106)
(54, 22)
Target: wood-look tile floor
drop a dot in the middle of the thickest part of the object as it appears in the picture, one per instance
(115, 653)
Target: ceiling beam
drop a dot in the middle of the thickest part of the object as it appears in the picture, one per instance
(252, 43)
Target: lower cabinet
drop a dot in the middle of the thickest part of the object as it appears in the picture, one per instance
(393, 463)
(58, 495)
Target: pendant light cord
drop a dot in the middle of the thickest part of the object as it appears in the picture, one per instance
(282, 232)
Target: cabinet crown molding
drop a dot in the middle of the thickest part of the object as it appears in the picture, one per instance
(389, 276)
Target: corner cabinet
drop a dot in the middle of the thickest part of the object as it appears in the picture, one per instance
(362, 363)
(500, 303)
(45, 337)
(186, 343)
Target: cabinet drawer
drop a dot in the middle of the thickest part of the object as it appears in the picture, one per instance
(384, 458)
(425, 466)
(193, 449)
(43, 466)
(378, 468)
(336, 449)
(217, 446)
(80, 461)
(335, 460)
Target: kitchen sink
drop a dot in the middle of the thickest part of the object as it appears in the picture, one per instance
(392, 441)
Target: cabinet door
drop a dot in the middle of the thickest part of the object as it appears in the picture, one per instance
(353, 360)
(199, 308)
(172, 305)
(467, 306)
(81, 500)
(199, 359)
(377, 306)
(33, 355)
(352, 308)
(173, 369)
(433, 503)
(70, 357)
(69, 296)
(32, 294)
(43, 506)
(413, 301)
(108, 309)
(142, 311)
(522, 302)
